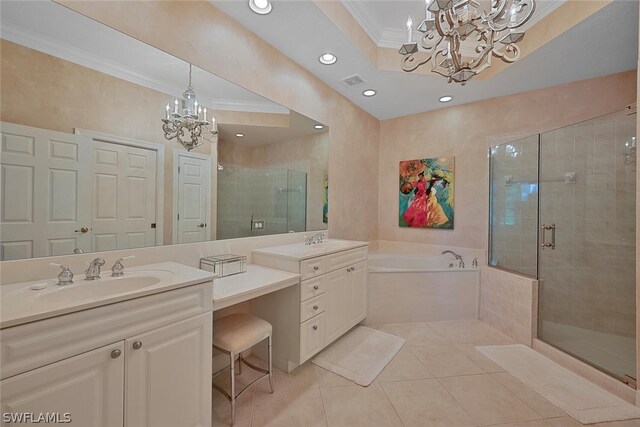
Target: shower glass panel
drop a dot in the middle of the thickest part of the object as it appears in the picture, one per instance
(275, 196)
(297, 201)
(562, 209)
(587, 243)
(513, 216)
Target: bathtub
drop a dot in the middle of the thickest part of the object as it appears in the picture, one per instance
(420, 288)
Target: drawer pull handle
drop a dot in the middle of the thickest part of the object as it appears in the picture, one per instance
(315, 288)
(315, 307)
(316, 268)
(115, 353)
(137, 345)
(315, 327)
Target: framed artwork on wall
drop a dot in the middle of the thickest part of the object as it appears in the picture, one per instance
(426, 193)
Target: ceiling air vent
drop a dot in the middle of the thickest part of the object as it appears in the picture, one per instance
(353, 81)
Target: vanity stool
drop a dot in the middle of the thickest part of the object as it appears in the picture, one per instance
(234, 334)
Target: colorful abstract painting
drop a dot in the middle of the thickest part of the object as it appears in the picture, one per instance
(426, 193)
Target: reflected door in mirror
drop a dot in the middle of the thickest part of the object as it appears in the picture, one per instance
(45, 184)
(124, 197)
(193, 192)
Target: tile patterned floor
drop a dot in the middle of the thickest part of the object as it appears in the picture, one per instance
(437, 379)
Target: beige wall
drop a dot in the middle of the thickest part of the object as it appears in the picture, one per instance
(215, 42)
(465, 131)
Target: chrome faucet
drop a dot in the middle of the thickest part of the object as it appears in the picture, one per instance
(66, 276)
(458, 257)
(93, 271)
(316, 238)
(118, 269)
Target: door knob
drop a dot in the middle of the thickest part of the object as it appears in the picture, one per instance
(202, 225)
(137, 345)
(82, 230)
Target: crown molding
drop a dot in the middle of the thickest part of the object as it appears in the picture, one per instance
(90, 60)
(365, 19)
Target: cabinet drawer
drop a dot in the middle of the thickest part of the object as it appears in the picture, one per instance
(312, 288)
(311, 337)
(312, 307)
(313, 267)
(345, 258)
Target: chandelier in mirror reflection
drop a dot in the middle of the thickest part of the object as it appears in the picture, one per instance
(189, 127)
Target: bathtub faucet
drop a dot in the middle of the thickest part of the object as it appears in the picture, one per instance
(458, 257)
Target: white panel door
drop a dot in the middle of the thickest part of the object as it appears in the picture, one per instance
(169, 375)
(89, 387)
(123, 197)
(336, 304)
(44, 187)
(194, 198)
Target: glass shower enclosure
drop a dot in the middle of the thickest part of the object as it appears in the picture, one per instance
(562, 209)
(277, 197)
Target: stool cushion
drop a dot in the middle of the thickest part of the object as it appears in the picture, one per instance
(238, 332)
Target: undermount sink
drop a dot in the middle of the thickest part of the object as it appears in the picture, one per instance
(99, 288)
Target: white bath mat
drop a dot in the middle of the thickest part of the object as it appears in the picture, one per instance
(581, 399)
(360, 355)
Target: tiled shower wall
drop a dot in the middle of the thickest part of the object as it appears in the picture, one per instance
(588, 281)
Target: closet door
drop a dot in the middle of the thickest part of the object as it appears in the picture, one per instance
(44, 188)
(123, 197)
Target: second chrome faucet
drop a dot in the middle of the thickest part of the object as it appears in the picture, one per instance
(93, 271)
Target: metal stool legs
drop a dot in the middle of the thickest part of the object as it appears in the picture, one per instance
(233, 388)
(232, 397)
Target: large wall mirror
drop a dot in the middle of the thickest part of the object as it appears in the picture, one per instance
(85, 163)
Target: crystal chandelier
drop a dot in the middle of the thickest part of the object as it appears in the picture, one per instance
(461, 37)
(190, 127)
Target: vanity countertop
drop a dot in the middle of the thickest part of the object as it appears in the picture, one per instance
(300, 251)
(20, 303)
(255, 282)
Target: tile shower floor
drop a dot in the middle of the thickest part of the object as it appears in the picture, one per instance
(437, 379)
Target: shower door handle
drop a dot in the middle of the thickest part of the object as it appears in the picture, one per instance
(543, 238)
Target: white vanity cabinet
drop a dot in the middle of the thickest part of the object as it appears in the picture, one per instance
(330, 300)
(141, 362)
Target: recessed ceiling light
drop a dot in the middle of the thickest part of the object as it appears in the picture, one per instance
(369, 92)
(318, 126)
(327, 58)
(446, 98)
(261, 7)
(239, 135)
